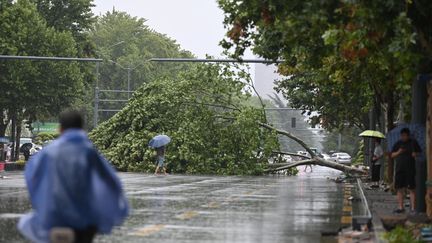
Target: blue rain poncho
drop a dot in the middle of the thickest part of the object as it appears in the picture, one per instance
(71, 185)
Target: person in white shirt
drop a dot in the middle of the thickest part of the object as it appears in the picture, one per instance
(377, 162)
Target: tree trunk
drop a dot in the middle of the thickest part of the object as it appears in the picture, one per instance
(429, 151)
(390, 125)
(3, 127)
(3, 122)
(13, 137)
(18, 138)
(314, 159)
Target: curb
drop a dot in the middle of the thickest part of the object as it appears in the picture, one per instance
(377, 225)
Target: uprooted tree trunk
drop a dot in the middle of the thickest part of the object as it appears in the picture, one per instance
(314, 160)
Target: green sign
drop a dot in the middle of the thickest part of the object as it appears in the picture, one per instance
(46, 127)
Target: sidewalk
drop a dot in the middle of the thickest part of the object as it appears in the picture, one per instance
(382, 204)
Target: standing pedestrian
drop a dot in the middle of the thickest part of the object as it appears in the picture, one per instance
(8, 153)
(404, 152)
(160, 160)
(74, 192)
(377, 161)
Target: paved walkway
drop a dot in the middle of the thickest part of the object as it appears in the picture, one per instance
(210, 209)
(382, 205)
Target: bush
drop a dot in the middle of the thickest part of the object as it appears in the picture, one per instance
(21, 162)
(43, 137)
(400, 235)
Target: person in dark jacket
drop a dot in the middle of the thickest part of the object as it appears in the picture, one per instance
(404, 153)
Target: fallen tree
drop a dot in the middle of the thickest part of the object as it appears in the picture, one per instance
(314, 160)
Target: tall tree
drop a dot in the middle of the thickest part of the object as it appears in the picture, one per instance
(349, 52)
(74, 16)
(126, 42)
(31, 88)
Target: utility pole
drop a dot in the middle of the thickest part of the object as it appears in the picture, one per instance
(96, 101)
(339, 142)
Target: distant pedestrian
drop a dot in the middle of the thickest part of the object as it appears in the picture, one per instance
(404, 152)
(74, 192)
(8, 153)
(377, 161)
(308, 166)
(160, 160)
(3, 148)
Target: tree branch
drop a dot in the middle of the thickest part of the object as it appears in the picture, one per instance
(292, 154)
(285, 166)
(423, 41)
(290, 135)
(212, 105)
(314, 160)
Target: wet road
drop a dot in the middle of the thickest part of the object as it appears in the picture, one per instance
(210, 209)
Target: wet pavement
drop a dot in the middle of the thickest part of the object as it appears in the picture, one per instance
(179, 208)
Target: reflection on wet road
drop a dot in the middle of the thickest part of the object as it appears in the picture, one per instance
(209, 209)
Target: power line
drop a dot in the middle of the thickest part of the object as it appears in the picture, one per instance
(157, 59)
(41, 58)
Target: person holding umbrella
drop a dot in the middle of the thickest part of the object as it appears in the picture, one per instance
(377, 157)
(159, 142)
(377, 161)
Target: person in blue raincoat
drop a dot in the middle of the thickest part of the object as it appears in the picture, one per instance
(73, 187)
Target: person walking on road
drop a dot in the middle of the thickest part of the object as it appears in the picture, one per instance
(74, 191)
(377, 161)
(160, 160)
(159, 143)
(404, 152)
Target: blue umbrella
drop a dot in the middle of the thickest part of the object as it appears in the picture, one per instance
(418, 132)
(159, 141)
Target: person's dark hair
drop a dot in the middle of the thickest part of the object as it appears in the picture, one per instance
(405, 131)
(71, 119)
(378, 140)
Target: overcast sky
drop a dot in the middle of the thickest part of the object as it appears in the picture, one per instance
(195, 24)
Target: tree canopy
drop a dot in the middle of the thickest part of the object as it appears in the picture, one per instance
(360, 53)
(126, 42)
(34, 89)
(31, 88)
